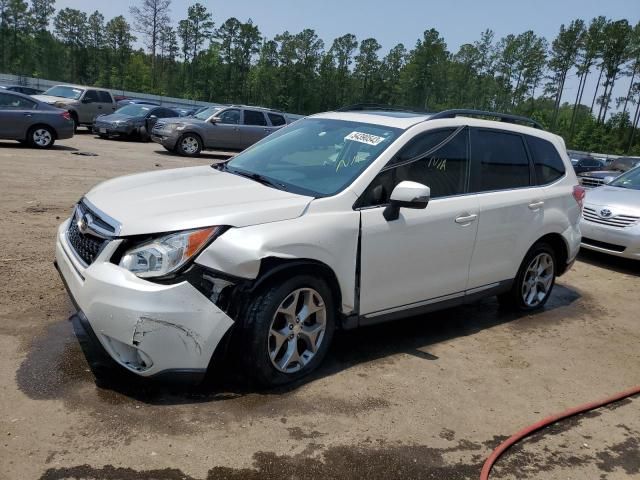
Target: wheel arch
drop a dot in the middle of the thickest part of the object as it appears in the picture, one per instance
(275, 268)
(40, 124)
(560, 249)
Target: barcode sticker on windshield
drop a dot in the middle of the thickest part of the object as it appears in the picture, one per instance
(364, 138)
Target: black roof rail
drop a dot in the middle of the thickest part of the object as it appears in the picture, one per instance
(379, 106)
(502, 117)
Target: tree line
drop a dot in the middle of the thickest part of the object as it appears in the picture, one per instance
(232, 62)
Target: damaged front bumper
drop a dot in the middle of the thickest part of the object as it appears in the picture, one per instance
(148, 328)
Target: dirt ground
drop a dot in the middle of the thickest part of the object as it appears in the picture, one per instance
(428, 397)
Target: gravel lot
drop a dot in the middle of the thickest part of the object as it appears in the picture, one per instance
(428, 397)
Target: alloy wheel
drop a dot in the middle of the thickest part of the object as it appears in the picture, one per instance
(297, 330)
(538, 279)
(189, 145)
(42, 137)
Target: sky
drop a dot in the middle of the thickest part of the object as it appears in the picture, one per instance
(402, 21)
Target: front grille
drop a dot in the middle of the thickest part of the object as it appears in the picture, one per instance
(101, 124)
(620, 221)
(591, 182)
(87, 247)
(605, 245)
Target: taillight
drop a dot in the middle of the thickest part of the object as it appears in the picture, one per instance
(579, 193)
(66, 115)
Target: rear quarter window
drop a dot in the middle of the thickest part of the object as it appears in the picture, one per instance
(548, 164)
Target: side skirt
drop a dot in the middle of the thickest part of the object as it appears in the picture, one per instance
(432, 305)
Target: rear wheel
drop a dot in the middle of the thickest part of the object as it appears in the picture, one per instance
(535, 280)
(189, 145)
(288, 331)
(41, 136)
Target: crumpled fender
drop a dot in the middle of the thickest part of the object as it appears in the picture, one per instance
(327, 237)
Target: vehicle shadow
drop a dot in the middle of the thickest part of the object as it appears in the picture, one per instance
(21, 146)
(610, 262)
(213, 155)
(411, 336)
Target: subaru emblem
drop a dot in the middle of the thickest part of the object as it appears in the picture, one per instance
(605, 213)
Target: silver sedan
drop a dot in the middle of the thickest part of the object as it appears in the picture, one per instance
(611, 217)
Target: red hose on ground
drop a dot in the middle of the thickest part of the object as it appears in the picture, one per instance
(525, 432)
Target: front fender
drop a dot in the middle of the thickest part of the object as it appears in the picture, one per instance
(329, 238)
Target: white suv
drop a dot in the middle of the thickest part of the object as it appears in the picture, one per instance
(340, 220)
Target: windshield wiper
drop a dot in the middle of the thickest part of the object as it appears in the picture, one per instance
(257, 177)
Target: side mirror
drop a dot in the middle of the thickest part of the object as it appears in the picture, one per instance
(215, 119)
(408, 195)
(153, 117)
(609, 179)
(86, 100)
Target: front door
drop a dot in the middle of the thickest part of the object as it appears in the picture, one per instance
(89, 110)
(225, 133)
(16, 116)
(424, 255)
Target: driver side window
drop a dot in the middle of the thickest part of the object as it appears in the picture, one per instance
(91, 96)
(230, 117)
(444, 170)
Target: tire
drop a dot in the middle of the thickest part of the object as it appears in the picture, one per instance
(266, 362)
(76, 123)
(534, 283)
(41, 136)
(189, 145)
(143, 135)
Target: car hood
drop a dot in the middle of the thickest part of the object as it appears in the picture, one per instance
(183, 198)
(621, 198)
(51, 99)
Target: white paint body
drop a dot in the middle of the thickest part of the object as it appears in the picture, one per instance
(456, 245)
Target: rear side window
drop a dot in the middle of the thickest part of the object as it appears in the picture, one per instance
(547, 162)
(251, 117)
(276, 120)
(500, 160)
(104, 97)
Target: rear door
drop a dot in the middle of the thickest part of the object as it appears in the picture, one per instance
(17, 114)
(106, 104)
(512, 208)
(254, 127)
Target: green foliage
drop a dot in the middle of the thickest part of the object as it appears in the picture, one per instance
(295, 71)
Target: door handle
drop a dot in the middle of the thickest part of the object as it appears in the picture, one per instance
(466, 218)
(99, 107)
(27, 115)
(536, 205)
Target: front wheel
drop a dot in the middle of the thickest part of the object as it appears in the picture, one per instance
(289, 327)
(535, 280)
(41, 137)
(189, 145)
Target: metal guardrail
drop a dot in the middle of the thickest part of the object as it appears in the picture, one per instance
(44, 84)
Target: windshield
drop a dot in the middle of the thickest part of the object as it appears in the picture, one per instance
(65, 92)
(203, 115)
(631, 179)
(316, 156)
(134, 110)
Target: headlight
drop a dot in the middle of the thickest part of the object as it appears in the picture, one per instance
(166, 254)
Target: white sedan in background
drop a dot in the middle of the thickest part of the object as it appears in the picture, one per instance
(611, 217)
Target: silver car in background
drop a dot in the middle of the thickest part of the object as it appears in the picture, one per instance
(28, 120)
(611, 217)
(230, 128)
